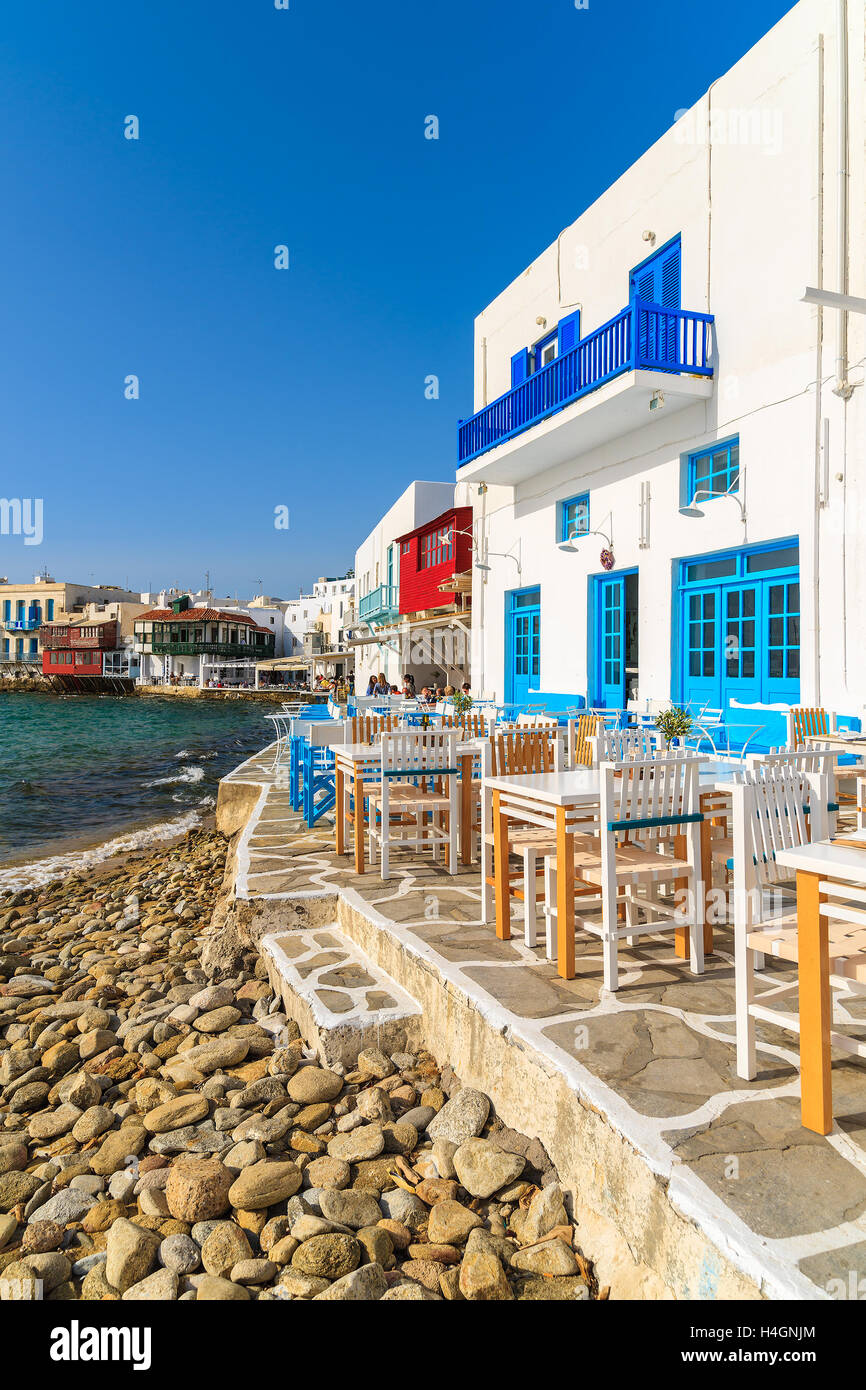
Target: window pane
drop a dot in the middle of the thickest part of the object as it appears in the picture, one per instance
(775, 663)
(784, 558)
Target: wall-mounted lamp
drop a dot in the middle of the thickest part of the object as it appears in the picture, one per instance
(702, 492)
(648, 236)
(657, 400)
(541, 321)
(503, 555)
(570, 546)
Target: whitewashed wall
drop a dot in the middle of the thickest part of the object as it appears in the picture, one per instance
(753, 215)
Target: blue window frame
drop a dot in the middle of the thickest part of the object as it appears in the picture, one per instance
(573, 517)
(716, 470)
(7, 610)
(50, 609)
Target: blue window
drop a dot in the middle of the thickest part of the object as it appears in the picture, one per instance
(34, 644)
(716, 470)
(7, 610)
(50, 606)
(574, 517)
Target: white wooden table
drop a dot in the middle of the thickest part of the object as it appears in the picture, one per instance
(557, 801)
(358, 763)
(817, 864)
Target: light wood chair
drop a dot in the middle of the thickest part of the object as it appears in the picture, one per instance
(368, 728)
(514, 752)
(581, 730)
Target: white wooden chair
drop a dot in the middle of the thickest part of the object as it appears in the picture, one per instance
(416, 803)
(814, 760)
(652, 803)
(774, 808)
(618, 745)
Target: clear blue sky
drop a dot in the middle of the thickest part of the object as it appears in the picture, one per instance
(304, 127)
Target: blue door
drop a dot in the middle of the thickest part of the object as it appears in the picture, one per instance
(522, 645)
(615, 623)
(739, 633)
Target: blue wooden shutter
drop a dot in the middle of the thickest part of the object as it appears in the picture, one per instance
(519, 367)
(669, 277)
(568, 332)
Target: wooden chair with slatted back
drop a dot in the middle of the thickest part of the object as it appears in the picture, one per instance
(513, 753)
(581, 751)
(808, 723)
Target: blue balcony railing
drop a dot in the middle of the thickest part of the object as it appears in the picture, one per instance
(642, 336)
(379, 604)
(22, 624)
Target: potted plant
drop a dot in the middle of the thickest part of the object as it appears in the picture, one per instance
(462, 703)
(674, 724)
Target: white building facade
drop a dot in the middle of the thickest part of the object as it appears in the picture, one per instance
(379, 646)
(667, 463)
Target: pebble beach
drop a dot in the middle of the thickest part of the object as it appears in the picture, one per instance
(165, 1133)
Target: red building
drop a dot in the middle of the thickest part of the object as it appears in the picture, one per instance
(70, 649)
(432, 554)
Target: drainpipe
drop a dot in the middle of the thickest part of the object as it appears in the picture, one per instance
(821, 442)
(843, 387)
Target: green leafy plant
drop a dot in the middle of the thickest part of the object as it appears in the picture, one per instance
(674, 723)
(462, 703)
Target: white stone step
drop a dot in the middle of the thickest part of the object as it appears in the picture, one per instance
(340, 999)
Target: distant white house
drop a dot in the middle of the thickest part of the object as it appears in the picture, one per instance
(379, 642)
(667, 460)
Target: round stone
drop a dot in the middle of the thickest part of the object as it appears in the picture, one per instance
(328, 1256)
(311, 1084)
(180, 1254)
(264, 1184)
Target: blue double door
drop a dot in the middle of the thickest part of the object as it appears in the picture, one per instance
(614, 657)
(739, 629)
(522, 645)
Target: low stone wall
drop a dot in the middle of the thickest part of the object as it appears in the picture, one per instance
(642, 1246)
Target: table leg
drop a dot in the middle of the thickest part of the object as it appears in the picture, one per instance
(707, 883)
(359, 823)
(681, 931)
(341, 810)
(500, 870)
(816, 1090)
(564, 896)
(466, 809)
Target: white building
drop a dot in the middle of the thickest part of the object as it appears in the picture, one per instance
(601, 417)
(378, 646)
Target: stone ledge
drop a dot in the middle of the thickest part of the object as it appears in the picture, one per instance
(341, 1001)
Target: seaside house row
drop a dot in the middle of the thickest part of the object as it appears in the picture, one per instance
(182, 644)
(414, 591)
(92, 649)
(667, 459)
(25, 608)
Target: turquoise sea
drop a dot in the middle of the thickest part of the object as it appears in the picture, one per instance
(77, 772)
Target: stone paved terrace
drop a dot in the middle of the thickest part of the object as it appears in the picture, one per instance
(777, 1211)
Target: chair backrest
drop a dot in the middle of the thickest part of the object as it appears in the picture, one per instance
(808, 723)
(581, 751)
(617, 745)
(537, 721)
(775, 807)
(803, 760)
(657, 796)
(472, 724)
(366, 728)
(414, 752)
(530, 750)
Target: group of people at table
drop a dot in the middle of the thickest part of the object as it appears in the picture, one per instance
(428, 695)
